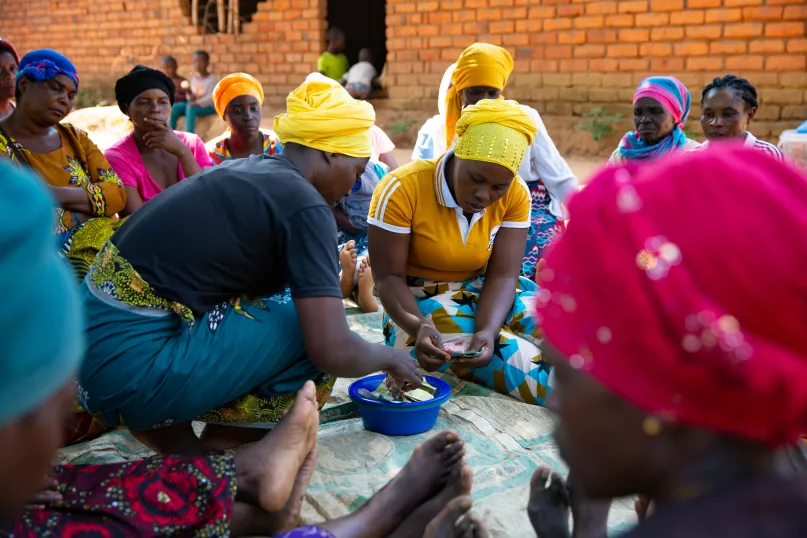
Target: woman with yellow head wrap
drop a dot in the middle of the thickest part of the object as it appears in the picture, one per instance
(482, 72)
(446, 238)
(238, 99)
(188, 309)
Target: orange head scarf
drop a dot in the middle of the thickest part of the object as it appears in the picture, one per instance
(481, 64)
(233, 86)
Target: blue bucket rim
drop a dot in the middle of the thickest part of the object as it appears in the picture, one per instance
(437, 383)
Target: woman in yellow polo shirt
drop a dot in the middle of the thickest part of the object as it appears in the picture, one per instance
(447, 238)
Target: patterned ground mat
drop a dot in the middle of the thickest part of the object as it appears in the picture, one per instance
(506, 441)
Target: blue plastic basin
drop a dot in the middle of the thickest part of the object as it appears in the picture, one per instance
(408, 418)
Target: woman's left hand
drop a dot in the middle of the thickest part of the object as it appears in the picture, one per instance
(482, 341)
(161, 136)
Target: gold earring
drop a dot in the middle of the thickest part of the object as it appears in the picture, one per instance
(651, 426)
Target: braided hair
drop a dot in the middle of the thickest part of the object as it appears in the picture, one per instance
(746, 90)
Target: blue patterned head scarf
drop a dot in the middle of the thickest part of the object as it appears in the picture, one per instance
(41, 322)
(674, 97)
(44, 64)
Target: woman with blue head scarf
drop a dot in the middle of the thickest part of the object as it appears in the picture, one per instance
(80, 178)
(660, 110)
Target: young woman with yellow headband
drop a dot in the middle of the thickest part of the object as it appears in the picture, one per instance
(481, 72)
(185, 303)
(238, 99)
(446, 239)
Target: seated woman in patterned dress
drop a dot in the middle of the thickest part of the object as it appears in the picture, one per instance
(152, 157)
(660, 111)
(238, 99)
(259, 491)
(482, 72)
(728, 106)
(447, 238)
(189, 322)
(79, 176)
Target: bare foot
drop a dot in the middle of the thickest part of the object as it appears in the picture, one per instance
(549, 506)
(454, 521)
(348, 257)
(366, 299)
(249, 520)
(423, 477)
(458, 485)
(267, 470)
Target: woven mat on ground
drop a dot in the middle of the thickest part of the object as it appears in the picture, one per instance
(506, 441)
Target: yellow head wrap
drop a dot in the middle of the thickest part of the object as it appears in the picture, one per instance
(233, 86)
(321, 114)
(496, 132)
(481, 64)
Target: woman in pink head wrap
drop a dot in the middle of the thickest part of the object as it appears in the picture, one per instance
(679, 347)
(660, 110)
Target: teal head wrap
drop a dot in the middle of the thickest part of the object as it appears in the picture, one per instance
(41, 325)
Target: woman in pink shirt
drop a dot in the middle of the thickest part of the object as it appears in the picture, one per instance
(153, 156)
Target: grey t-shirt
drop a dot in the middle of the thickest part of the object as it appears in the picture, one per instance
(248, 226)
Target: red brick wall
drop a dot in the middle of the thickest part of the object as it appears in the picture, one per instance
(105, 38)
(571, 55)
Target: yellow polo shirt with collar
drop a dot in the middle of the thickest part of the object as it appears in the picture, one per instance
(443, 245)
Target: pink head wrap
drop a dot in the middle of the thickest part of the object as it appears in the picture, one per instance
(670, 92)
(682, 286)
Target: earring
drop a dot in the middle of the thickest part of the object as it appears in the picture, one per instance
(651, 426)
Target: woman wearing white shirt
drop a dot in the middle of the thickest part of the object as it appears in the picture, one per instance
(481, 73)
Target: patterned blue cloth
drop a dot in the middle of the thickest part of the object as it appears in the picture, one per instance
(544, 228)
(517, 368)
(44, 64)
(147, 366)
(306, 532)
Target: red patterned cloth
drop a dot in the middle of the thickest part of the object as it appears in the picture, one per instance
(681, 286)
(180, 497)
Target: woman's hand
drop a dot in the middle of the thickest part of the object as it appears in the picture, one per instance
(482, 341)
(429, 348)
(404, 368)
(161, 136)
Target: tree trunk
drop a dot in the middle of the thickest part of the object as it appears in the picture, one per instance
(221, 15)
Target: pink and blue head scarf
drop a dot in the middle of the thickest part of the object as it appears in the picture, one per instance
(44, 64)
(675, 98)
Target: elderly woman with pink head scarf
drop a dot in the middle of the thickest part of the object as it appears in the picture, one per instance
(660, 111)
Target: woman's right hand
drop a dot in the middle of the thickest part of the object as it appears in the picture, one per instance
(429, 350)
(404, 368)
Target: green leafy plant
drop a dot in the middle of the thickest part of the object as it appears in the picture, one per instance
(400, 127)
(599, 123)
(693, 134)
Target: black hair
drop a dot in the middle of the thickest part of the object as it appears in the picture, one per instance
(204, 54)
(169, 60)
(334, 32)
(747, 90)
(17, 92)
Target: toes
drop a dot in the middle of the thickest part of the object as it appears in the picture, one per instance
(540, 477)
(308, 393)
(557, 489)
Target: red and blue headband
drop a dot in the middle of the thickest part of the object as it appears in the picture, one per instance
(45, 64)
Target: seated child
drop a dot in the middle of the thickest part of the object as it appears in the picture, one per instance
(200, 96)
(360, 77)
(333, 63)
(170, 67)
(351, 218)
